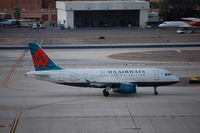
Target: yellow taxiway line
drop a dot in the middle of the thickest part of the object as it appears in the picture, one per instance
(5, 84)
(179, 51)
(6, 80)
(194, 78)
(18, 114)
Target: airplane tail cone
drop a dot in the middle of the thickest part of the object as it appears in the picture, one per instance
(40, 59)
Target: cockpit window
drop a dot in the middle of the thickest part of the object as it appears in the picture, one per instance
(168, 74)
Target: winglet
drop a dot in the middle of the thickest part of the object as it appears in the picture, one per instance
(40, 59)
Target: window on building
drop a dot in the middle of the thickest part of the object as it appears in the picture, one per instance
(45, 17)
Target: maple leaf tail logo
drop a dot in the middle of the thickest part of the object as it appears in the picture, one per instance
(40, 59)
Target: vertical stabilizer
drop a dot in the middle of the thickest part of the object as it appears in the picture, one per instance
(40, 59)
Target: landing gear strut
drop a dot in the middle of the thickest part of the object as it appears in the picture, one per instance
(155, 91)
(106, 93)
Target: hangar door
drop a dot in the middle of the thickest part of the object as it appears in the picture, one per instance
(111, 18)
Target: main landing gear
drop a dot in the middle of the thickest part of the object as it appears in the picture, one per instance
(106, 93)
(155, 91)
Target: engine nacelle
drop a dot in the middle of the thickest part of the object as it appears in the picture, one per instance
(126, 88)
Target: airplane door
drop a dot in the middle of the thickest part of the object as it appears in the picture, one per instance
(61, 76)
(156, 75)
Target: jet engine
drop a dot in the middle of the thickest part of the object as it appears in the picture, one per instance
(126, 88)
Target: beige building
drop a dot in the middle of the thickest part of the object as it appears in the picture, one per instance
(102, 13)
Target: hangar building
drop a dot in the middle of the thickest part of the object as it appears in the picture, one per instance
(102, 13)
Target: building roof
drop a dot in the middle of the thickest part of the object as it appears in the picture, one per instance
(102, 5)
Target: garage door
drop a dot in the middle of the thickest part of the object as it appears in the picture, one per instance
(114, 18)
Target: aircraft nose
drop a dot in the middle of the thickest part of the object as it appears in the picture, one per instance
(160, 25)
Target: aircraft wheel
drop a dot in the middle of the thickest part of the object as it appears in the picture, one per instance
(105, 93)
(155, 93)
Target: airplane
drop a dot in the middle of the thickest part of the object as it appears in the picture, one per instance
(188, 23)
(120, 80)
(6, 22)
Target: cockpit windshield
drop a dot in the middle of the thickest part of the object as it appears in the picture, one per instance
(168, 74)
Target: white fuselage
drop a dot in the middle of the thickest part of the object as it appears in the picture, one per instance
(174, 24)
(101, 77)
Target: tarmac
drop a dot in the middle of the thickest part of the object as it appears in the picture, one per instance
(53, 36)
(30, 105)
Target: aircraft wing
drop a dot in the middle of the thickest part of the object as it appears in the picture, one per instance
(108, 82)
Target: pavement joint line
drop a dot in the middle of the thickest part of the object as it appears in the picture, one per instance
(7, 108)
(184, 100)
(132, 117)
(17, 79)
(112, 116)
(58, 102)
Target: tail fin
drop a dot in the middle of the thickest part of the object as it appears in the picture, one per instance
(40, 60)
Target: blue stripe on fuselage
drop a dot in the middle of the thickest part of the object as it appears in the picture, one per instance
(140, 84)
